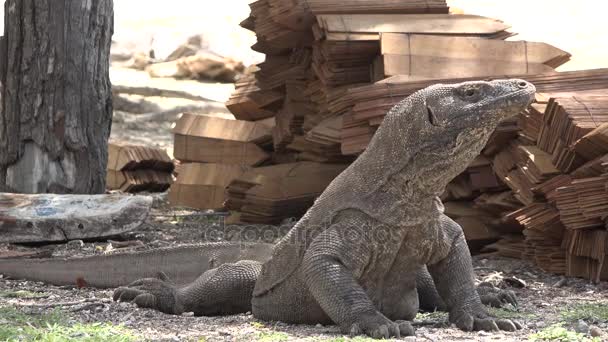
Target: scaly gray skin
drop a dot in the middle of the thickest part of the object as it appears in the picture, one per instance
(354, 257)
(184, 264)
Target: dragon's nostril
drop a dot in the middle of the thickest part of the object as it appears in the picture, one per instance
(522, 84)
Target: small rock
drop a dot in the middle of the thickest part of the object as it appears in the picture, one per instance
(188, 314)
(410, 339)
(319, 325)
(581, 327)
(515, 282)
(595, 331)
(563, 281)
(75, 244)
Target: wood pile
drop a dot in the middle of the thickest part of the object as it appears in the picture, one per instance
(138, 168)
(206, 139)
(370, 103)
(272, 193)
(203, 185)
(212, 152)
(562, 179)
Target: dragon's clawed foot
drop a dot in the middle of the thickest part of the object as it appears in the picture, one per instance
(467, 321)
(496, 297)
(159, 294)
(378, 326)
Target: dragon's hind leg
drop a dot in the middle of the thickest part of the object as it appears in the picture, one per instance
(224, 290)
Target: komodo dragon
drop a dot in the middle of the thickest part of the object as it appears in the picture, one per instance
(354, 257)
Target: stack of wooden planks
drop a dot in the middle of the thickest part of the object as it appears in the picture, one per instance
(370, 103)
(272, 193)
(562, 179)
(206, 139)
(317, 51)
(203, 186)
(212, 152)
(134, 168)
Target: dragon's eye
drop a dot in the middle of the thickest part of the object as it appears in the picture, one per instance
(469, 92)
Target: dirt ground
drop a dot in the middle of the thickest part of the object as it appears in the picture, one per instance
(544, 299)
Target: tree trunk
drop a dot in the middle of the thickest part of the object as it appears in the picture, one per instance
(55, 95)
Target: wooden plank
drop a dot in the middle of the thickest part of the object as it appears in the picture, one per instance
(432, 67)
(410, 23)
(273, 193)
(123, 157)
(468, 48)
(200, 138)
(203, 186)
(53, 218)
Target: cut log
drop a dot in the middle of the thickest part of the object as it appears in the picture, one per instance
(53, 218)
(202, 66)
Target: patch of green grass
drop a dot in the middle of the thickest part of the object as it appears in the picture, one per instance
(257, 325)
(510, 314)
(21, 294)
(198, 339)
(557, 332)
(431, 316)
(54, 327)
(591, 313)
(349, 339)
(272, 336)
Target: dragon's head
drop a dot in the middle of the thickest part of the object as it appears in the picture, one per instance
(439, 130)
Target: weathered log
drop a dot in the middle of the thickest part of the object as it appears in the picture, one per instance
(47, 218)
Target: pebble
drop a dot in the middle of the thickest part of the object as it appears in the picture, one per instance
(410, 338)
(188, 314)
(563, 281)
(595, 331)
(319, 325)
(581, 327)
(515, 282)
(75, 244)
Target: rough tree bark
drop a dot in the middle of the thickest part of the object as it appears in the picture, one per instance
(55, 95)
